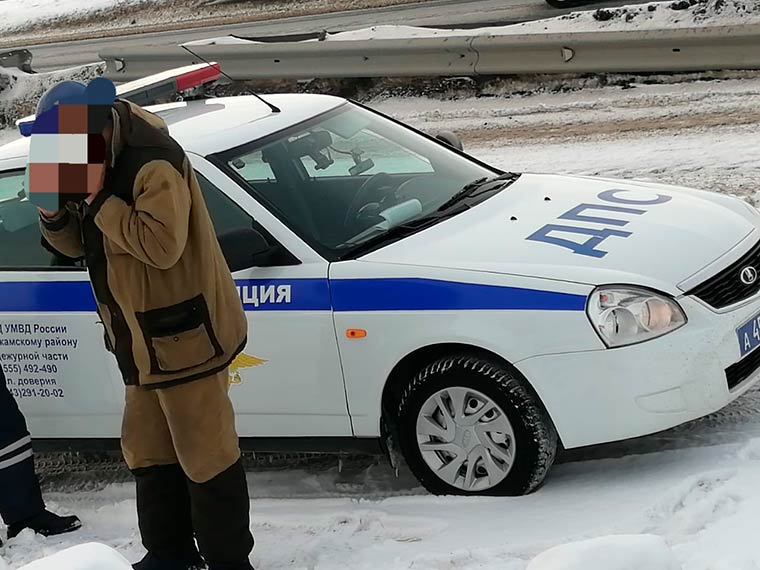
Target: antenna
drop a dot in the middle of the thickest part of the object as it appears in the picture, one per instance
(259, 97)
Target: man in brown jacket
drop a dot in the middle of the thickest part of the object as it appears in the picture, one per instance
(174, 322)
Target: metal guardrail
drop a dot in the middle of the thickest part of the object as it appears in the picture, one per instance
(673, 50)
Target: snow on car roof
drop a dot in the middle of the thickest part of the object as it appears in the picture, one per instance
(212, 125)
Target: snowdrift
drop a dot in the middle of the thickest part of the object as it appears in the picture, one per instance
(19, 91)
(90, 556)
(637, 552)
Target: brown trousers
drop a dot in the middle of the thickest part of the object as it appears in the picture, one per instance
(191, 424)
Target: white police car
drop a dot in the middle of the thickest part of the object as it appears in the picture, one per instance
(401, 291)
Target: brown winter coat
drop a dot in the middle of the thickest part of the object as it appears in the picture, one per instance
(164, 292)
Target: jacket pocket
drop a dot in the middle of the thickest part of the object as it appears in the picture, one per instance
(179, 337)
(172, 352)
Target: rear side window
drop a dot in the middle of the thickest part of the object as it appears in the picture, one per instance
(23, 247)
(21, 243)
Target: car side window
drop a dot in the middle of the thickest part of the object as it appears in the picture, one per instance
(21, 243)
(227, 216)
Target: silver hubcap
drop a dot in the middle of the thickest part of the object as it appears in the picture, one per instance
(466, 439)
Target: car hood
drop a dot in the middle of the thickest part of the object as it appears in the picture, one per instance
(585, 230)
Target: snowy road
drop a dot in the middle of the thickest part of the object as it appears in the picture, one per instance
(696, 486)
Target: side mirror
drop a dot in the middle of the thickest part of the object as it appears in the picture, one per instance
(450, 139)
(241, 247)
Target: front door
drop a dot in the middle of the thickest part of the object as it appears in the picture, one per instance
(288, 381)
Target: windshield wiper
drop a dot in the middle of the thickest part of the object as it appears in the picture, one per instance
(394, 234)
(482, 184)
(447, 210)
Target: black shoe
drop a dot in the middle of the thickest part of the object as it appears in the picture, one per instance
(151, 562)
(46, 524)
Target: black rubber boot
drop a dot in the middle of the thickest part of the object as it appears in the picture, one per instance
(151, 562)
(164, 516)
(46, 524)
(221, 518)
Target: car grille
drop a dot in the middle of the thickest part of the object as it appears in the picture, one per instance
(746, 367)
(726, 288)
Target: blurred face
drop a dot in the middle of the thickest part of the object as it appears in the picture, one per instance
(67, 154)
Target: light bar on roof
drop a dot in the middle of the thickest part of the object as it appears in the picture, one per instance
(148, 89)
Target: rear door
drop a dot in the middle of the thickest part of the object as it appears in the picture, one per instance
(287, 383)
(51, 343)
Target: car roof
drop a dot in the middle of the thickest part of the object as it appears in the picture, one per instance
(208, 126)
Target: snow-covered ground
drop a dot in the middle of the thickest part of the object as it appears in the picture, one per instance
(702, 134)
(694, 487)
(724, 159)
(20, 91)
(8, 135)
(22, 13)
(704, 502)
(35, 19)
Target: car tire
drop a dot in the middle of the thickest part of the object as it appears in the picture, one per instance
(433, 442)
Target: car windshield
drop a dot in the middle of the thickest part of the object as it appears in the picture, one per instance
(350, 176)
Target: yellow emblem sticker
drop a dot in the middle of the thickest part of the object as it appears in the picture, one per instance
(242, 362)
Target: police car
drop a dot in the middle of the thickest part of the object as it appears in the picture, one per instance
(404, 295)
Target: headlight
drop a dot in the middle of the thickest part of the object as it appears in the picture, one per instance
(628, 315)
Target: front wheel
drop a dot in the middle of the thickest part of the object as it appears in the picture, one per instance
(471, 426)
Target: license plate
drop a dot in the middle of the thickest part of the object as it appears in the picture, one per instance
(749, 336)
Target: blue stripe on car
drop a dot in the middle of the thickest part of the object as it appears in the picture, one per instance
(341, 295)
(433, 295)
